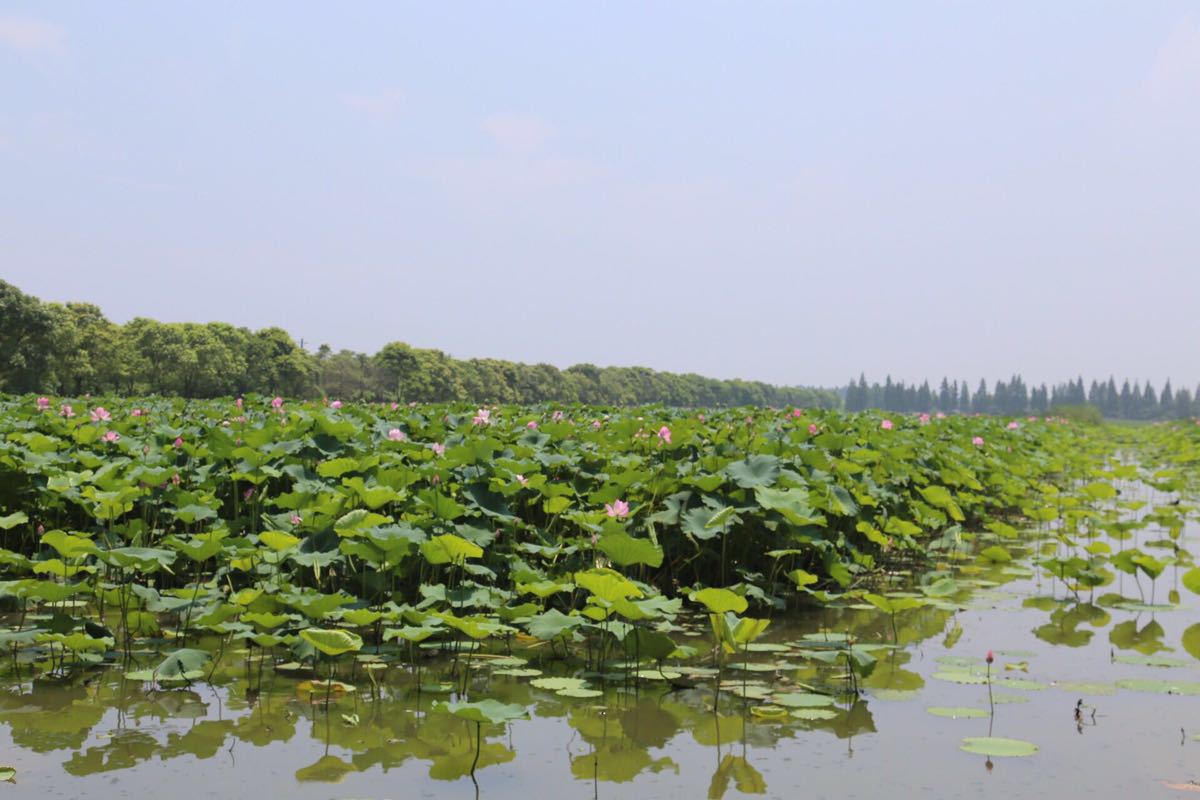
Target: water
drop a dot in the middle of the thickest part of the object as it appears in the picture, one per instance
(259, 734)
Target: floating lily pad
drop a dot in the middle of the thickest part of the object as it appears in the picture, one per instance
(961, 677)
(1159, 687)
(831, 636)
(579, 692)
(750, 691)
(802, 700)
(558, 684)
(814, 714)
(958, 712)
(1151, 607)
(1005, 699)
(1151, 661)
(697, 672)
(756, 667)
(770, 712)
(1019, 683)
(518, 672)
(998, 746)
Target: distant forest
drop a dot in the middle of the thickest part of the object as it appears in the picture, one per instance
(73, 349)
(1014, 398)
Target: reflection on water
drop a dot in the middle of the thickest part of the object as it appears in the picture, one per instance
(252, 729)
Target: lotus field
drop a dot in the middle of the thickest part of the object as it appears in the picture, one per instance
(755, 575)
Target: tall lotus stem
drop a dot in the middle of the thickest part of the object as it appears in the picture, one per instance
(328, 691)
(478, 747)
(989, 659)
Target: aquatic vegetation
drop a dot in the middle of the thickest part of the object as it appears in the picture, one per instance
(533, 559)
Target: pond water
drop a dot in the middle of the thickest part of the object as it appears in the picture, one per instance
(254, 731)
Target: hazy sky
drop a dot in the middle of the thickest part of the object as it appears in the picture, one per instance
(790, 192)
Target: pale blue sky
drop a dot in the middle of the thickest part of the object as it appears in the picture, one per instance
(791, 192)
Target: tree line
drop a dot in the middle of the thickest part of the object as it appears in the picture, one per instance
(1136, 401)
(74, 349)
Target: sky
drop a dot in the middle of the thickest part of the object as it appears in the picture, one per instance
(788, 192)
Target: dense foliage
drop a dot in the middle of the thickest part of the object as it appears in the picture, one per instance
(1014, 398)
(521, 553)
(213, 510)
(703, 499)
(73, 349)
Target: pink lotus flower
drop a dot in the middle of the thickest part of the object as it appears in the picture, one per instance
(296, 520)
(557, 416)
(179, 441)
(438, 449)
(977, 441)
(990, 657)
(246, 495)
(596, 424)
(521, 479)
(886, 425)
(940, 415)
(137, 412)
(813, 429)
(618, 509)
(482, 417)
(43, 403)
(664, 433)
(111, 436)
(924, 419)
(238, 402)
(100, 414)
(395, 406)
(797, 413)
(277, 402)
(1014, 425)
(700, 417)
(41, 529)
(66, 411)
(175, 479)
(532, 425)
(336, 404)
(396, 435)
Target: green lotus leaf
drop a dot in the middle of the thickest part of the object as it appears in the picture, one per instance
(719, 601)
(449, 549)
(958, 712)
(997, 746)
(624, 550)
(332, 642)
(484, 711)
